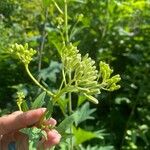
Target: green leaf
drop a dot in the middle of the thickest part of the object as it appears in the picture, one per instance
(49, 109)
(96, 147)
(66, 123)
(83, 135)
(34, 135)
(84, 113)
(39, 101)
(81, 99)
(66, 136)
(62, 102)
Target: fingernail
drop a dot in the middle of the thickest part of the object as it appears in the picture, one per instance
(42, 109)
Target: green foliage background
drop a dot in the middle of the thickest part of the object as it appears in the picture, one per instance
(114, 31)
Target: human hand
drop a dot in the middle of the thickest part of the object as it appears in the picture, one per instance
(11, 124)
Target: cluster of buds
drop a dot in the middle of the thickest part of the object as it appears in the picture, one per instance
(23, 53)
(21, 102)
(20, 99)
(108, 83)
(70, 57)
(85, 76)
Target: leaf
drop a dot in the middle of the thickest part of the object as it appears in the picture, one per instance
(84, 113)
(62, 102)
(66, 136)
(50, 73)
(96, 147)
(39, 101)
(49, 109)
(34, 135)
(83, 135)
(66, 123)
(81, 99)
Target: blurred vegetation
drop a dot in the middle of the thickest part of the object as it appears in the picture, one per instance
(114, 31)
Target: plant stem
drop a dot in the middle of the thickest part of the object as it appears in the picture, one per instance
(70, 146)
(37, 83)
(57, 6)
(70, 112)
(66, 21)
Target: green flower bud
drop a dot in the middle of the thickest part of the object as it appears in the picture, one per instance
(105, 70)
(23, 53)
(94, 91)
(91, 98)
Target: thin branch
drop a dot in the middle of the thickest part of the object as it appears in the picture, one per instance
(66, 21)
(37, 83)
(57, 6)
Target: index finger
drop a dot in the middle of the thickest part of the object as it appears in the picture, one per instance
(20, 120)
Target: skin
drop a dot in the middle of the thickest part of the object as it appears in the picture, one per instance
(11, 124)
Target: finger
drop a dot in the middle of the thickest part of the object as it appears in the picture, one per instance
(16, 113)
(50, 121)
(53, 138)
(20, 120)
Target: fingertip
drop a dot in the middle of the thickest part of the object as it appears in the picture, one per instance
(53, 138)
(50, 121)
(40, 110)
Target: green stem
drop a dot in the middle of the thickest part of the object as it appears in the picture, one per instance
(61, 92)
(57, 6)
(70, 112)
(66, 21)
(70, 146)
(37, 83)
(64, 76)
(69, 95)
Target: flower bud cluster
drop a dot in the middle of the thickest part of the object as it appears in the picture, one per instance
(85, 77)
(83, 70)
(70, 57)
(23, 53)
(108, 83)
(20, 99)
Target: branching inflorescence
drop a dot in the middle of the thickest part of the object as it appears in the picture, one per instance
(85, 78)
